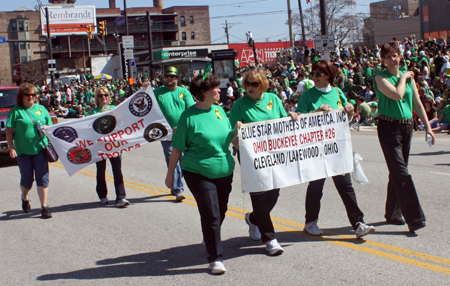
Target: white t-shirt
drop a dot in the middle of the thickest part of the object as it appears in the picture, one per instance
(229, 91)
(301, 85)
(58, 96)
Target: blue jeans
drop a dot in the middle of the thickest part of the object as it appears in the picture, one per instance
(177, 175)
(33, 163)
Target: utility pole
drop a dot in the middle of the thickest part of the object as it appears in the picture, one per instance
(49, 43)
(226, 32)
(323, 16)
(150, 46)
(291, 34)
(302, 23)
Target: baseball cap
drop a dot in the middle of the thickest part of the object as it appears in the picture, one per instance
(422, 53)
(171, 71)
(374, 104)
(352, 101)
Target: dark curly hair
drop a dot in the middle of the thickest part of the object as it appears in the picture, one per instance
(198, 86)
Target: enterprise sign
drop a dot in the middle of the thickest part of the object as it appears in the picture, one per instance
(197, 53)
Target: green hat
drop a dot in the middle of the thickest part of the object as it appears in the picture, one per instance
(352, 101)
(374, 104)
(171, 71)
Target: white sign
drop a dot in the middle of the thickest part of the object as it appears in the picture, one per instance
(325, 43)
(51, 62)
(128, 42)
(128, 54)
(68, 20)
(282, 152)
(134, 123)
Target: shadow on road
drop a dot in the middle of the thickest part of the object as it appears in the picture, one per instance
(36, 213)
(431, 153)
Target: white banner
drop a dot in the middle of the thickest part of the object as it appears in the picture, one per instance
(134, 123)
(67, 21)
(282, 152)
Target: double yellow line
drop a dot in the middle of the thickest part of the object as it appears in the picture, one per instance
(414, 258)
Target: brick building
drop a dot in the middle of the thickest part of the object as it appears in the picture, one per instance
(435, 18)
(173, 26)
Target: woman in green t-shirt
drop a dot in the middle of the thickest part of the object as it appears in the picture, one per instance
(323, 97)
(24, 141)
(255, 106)
(204, 134)
(398, 96)
(103, 100)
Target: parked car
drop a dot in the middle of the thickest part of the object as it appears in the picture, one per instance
(8, 95)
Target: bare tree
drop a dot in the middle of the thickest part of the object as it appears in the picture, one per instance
(340, 22)
(34, 71)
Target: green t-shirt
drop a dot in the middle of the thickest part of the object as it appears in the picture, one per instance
(239, 82)
(313, 98)
(364, 110)
(248, 110)
(403, 68)
(87, 96)
(348, 88)
(100, 110)
(400, 109)
(173, 103)
(446, 112)
(368, 73)
(26, 136)
(205, 136)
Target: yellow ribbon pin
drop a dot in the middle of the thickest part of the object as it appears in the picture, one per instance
(181, 95)
(218, 114)
(39, 112)
(340, 103)
(270, 105)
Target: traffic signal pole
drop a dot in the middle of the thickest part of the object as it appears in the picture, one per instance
(49, 44)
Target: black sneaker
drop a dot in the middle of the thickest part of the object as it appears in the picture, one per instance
(45, 213)
(26, 206)
(416, 226)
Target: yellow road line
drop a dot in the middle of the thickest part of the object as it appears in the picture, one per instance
(343, 240)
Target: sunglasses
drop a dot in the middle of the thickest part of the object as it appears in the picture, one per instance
(253, 84)
(170, 75)
(316, 74)
(103, 95)
(30, 94)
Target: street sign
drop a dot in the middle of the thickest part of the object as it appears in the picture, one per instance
(51, 69)
(133, 62)
(51, 62)
(2, 39)
(128, 54)
(324, 43)
(120, 21)
(128, 42)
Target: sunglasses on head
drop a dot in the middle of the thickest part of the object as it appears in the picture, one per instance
(30, 94)
(103, 95)
(316, 74)
(253, 84)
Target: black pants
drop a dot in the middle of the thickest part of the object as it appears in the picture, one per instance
(211, 196)
(263, 203)
(102, 190)
(395, 141)
(344, 186)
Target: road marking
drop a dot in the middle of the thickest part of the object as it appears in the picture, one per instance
(437, 173)
(332, 237)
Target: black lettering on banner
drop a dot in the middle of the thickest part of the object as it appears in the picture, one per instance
(330, 148)
(341, 116)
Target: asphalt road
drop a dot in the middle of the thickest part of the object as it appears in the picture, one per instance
(157, 241)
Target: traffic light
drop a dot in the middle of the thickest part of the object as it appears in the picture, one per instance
(89, 31)
(102, 27)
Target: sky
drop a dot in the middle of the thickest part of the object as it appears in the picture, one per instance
(264, 18)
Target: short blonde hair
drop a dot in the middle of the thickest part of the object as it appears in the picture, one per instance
(105, 90)
(258, 74)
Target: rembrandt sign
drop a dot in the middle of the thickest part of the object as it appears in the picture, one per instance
(68, 20)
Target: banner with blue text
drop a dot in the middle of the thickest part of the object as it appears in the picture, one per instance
(134, 123)
(282, 152)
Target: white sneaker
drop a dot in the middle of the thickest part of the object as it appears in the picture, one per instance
(363, 229)
(180, 197)
(312, 228)
(253, 230)
(217, 267)
(122, 203)
(273, 247)
(104, 201)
